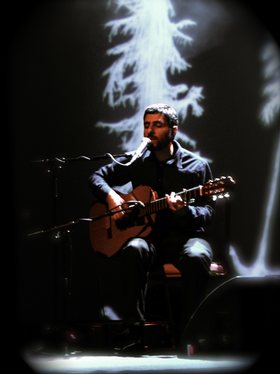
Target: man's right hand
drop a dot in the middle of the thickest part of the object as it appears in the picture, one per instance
(115, 202)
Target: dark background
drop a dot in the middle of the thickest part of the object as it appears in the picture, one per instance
(55, 85)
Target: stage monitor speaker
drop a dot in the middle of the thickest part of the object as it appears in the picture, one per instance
(241, 316)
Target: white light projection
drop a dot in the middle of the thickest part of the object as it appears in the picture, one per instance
(139, 75)
(270, 57)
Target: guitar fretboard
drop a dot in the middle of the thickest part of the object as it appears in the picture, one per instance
(187, 195)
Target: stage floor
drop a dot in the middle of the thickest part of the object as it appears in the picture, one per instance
(97, 363)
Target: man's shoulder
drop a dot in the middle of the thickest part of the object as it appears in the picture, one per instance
(192, 159)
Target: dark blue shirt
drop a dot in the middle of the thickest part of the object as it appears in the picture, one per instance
(184, 170)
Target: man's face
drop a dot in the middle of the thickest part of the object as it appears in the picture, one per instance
(157, 129)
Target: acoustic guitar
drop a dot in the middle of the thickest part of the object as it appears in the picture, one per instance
(107, 235)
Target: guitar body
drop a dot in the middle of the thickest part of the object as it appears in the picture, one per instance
(107, 236)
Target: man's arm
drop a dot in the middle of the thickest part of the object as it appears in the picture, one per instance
(115, 201)
(199, 214)
(102, 184)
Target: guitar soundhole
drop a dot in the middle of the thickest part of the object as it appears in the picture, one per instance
(130, 221)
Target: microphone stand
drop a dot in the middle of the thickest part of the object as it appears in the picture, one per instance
(63, 160)
(54, 166)
(66, 226)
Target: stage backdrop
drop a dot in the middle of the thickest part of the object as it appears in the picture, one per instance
(82, 73)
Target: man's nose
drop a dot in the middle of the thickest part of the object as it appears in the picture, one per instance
(150, 130)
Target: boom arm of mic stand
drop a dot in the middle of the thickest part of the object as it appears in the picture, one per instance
(66, 226)
(63, 160)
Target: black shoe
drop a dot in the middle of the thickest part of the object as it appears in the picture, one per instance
(132, 349)
(130, 340)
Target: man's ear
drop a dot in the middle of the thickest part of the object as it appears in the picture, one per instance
(174, 131)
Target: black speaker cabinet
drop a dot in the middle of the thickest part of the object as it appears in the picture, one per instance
(241, 316)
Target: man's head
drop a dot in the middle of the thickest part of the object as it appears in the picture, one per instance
(169, 113)
(160, 125)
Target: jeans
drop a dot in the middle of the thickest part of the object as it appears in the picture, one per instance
(191, 256)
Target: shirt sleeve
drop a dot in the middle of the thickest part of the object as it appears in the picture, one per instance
(200, 213)
(108, 177)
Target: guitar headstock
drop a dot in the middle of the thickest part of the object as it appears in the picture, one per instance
(219, 188)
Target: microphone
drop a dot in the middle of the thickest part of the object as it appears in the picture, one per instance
(141, 149)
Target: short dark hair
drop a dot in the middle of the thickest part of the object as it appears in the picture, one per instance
(167, 110)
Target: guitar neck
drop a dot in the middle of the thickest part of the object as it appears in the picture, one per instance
(160, 204)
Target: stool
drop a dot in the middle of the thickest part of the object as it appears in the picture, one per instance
(216, 269)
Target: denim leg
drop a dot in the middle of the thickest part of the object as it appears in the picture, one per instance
(194, 263)
(136, 259)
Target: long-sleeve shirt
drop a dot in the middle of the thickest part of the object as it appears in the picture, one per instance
(184, 170)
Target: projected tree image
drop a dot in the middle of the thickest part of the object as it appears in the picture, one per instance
(139, 74)
(148, 50)
(271, 92)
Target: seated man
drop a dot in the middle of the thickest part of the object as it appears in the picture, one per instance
(178, 232)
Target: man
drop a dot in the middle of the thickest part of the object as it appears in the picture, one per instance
(179, 232)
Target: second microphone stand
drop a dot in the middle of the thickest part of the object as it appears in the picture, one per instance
(61, 233)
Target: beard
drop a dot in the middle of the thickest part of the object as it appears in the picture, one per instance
(162, 144)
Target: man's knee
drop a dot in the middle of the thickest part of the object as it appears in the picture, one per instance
(197, 247)
(197, 253)
(136, 248)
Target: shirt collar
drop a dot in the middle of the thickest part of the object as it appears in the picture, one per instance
(176, 157)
